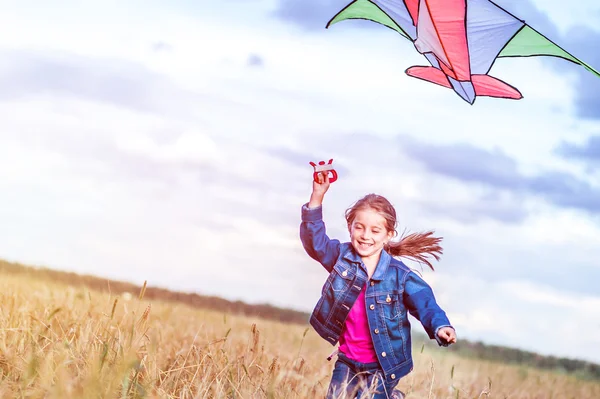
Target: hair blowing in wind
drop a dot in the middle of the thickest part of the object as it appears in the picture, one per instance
(416, 246)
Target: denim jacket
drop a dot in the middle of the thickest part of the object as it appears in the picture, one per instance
(393, 290)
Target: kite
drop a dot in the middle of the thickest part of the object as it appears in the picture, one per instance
(461, 39)
(324, 167)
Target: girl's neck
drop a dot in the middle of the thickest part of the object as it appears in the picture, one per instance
(371, 263)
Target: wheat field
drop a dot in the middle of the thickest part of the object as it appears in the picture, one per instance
(58, 341)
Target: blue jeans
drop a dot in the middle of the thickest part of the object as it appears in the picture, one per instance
(351, 379)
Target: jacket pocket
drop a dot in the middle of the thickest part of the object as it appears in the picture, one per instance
(389, 305)
(341, 277)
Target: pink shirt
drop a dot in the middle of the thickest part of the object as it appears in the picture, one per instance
(355, 340)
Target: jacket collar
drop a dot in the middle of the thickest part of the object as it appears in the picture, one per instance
(382, 265)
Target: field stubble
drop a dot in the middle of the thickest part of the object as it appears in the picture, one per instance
(58, 341)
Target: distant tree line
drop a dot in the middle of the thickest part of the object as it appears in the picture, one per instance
(264, 311)
(478, 350)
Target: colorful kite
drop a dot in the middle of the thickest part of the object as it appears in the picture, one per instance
(461, 39)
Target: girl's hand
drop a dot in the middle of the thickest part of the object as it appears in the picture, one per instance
(447, 334)
(320, 187)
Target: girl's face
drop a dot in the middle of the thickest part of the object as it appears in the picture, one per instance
(368, 233)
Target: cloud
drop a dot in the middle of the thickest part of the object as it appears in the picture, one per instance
(465, 162)
(308, 14)
(358, 158)
(494, 205)
(495, 169)
(255, 60)
(584, 43)
(302, 159)
(589, 152)
(26, 74)
(474, 308)
(162, 47)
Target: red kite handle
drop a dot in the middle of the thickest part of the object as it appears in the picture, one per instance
(323, 167)
(333, 176)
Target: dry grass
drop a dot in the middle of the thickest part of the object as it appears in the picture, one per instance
(61, 342)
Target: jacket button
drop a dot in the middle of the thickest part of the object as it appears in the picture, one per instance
(393, 376)
(383, 354)
(377, 331)
(372, 307)
(345, 273)
(372, 283)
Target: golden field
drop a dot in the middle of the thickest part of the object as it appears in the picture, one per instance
(58, 341)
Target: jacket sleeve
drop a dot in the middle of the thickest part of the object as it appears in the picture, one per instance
(314, 238)
(421, 303)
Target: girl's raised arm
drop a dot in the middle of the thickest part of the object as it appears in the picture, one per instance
(314, 238)
(313, 234)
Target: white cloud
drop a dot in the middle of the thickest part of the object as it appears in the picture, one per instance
(583, 13)
(522, 314)
(190, 146)
(529, 292)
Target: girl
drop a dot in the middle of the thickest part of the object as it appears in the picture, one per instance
(365, 300)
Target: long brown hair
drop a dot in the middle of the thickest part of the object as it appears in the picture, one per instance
(416, 246)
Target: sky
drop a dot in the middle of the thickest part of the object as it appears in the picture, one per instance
(170, 142)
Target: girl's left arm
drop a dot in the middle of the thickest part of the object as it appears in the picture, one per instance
(420, 302)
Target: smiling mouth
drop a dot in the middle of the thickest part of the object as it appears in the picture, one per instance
(364, 245)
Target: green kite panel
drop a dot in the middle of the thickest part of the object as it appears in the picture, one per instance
(364, 9)
(529, 42)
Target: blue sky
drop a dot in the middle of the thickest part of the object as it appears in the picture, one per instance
(170, 143)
